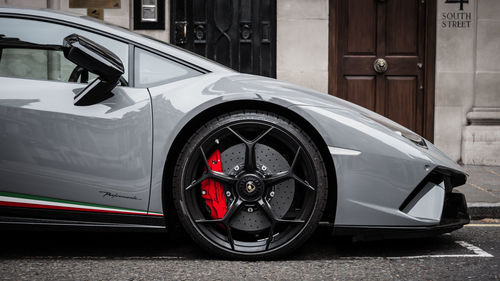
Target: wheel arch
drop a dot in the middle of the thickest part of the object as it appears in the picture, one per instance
(197, 121)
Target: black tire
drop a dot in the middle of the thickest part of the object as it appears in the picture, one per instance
(298, 193)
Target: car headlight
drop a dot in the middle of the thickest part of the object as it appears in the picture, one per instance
(400, 130)
(416, 139)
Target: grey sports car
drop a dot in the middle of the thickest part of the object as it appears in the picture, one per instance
(101, 128)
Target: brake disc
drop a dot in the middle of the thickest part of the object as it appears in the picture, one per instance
(269, 161)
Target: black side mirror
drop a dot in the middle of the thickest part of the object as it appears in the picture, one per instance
(98, 60)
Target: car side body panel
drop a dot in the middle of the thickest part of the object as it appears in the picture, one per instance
(371, 185)
(98, 154)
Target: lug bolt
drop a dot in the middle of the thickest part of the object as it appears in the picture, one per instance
(264, 168)
(228, 193)
(217, 141)
(203, 192)
(236, 168)
(250, 210)
(271, 193)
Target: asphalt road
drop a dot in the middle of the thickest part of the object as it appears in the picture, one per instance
(472, 253)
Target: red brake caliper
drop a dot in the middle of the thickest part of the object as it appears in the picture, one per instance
(212, 191)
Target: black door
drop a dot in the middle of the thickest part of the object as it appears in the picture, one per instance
(240, 34)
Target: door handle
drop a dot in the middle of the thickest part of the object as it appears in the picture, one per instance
(380, 65)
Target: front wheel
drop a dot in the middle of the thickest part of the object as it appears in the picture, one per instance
(250, 185)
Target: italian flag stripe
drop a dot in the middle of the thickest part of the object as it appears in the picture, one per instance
(30, 201)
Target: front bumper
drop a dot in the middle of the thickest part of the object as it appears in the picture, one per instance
(386, 168)
(429, 200)
(454, 216)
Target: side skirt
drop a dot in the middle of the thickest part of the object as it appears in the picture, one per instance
(14, 218)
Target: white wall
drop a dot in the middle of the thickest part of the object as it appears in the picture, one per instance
(302, 43)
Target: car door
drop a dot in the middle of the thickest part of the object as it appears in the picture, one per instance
(56, 155)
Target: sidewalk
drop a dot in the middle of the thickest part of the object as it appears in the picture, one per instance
(482, 191)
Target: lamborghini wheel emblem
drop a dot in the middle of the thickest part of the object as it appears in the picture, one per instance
(250, 186)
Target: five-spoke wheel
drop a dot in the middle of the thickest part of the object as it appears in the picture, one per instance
(250, 185)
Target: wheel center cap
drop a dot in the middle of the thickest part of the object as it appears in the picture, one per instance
(250, 187)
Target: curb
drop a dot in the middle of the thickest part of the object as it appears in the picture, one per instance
(478, 211)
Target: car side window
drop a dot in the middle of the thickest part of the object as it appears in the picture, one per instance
(32, 49)
(152, 70)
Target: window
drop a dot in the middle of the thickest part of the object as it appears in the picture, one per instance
(32, 49)
(40, 64)
(152, 70)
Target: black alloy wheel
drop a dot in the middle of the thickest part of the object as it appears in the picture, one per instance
(266, 197)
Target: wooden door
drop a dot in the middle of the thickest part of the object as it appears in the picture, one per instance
(395, 31)
(239, 34)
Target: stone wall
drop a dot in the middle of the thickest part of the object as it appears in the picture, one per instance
(34, 4)
(467, 112)
(455, 60)
(481, 136)
(487, 82)
(302, 43)
(124, 17)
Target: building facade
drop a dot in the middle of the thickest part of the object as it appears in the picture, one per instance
(431, 65)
